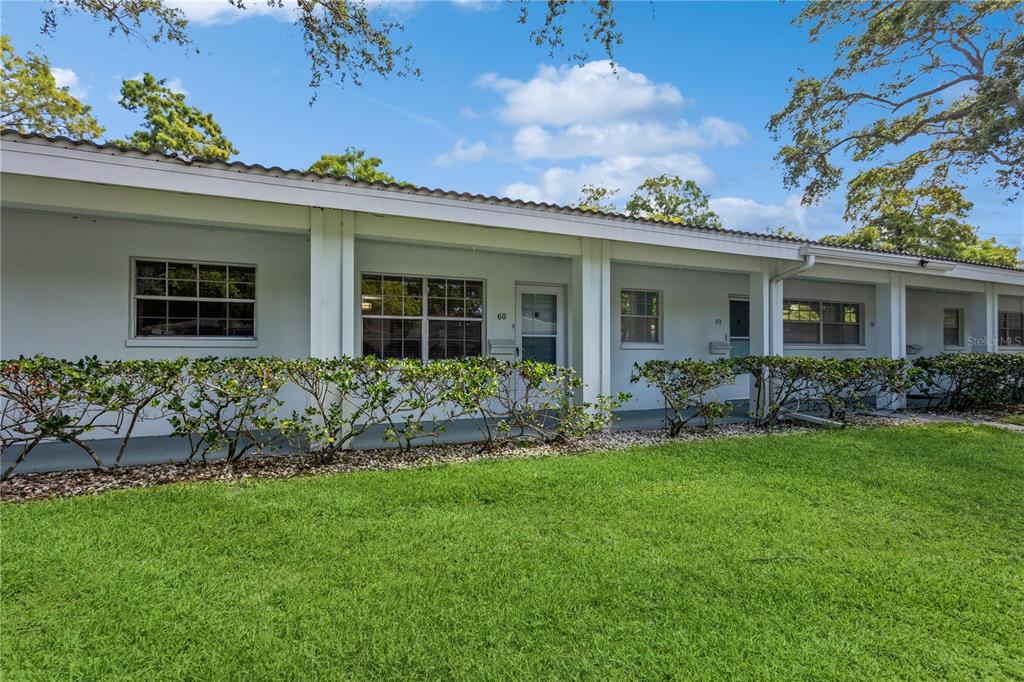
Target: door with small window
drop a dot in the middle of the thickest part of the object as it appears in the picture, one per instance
(540, 323)
(739, 327)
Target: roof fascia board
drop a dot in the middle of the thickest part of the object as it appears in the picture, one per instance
(116, 169)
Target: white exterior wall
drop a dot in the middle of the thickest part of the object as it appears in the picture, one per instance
(695, 311)
(818, 290)
(66, 287)
(924, 320)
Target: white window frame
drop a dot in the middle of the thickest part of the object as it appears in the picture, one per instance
(133, 341)
(1000, 328)
(821, 344)
(959, 328)
(424, 317)
(653, 345)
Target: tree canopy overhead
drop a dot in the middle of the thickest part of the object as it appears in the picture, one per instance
(923, 91)
(345, 40)
(171, 125)
(923, 96)
(667, 198)
(353, 163)
(30, 100)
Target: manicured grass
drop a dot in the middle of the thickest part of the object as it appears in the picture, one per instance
(865, 554)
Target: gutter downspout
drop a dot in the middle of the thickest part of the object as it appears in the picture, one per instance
(775, 343)
(774, 293)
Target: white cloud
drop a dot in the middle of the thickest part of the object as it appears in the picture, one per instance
(463, 151)
(746, 214)
(568, 95)
(476, 5)
(210, 12)
(67, 78)
(624, 137)
(562, 185)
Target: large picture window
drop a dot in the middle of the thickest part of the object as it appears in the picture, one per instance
(1011, 329)
(640, 316)
(193, 299)
(428, 318)
(822, 323)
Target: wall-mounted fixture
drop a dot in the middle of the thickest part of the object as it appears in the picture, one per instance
(719, 347)
(914, 348)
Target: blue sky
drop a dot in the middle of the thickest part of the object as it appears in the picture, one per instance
(493, 113)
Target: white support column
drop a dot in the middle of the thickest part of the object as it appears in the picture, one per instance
(984, 321)
(891, 328)
(760, 321)
(349, 284)
(325, 279)
(591, 314)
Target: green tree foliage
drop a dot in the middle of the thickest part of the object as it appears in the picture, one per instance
(946, 78)
(929, 221)
(596, 198)
(670, 198)
(353, 163)
(345, 40)
(30, 100)
(923, 94)
(664, 197)
(171, 126)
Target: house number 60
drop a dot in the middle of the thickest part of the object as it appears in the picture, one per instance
(502, 316)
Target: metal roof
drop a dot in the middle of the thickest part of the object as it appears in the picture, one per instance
(277, 171)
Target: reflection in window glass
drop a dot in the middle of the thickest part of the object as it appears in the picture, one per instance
(175, 298)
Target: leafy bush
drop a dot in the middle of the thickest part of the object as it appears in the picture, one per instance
(139, 390)
(962, 381)
(683, 384)
(345, 396)
(227, 404)
(535, 401)
(781, 385)
(48, 399)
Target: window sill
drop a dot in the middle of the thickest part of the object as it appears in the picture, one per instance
(628, 345)
(190, 343)
(960, 347)
(819, 346)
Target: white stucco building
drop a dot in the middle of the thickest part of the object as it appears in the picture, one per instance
(129, 255)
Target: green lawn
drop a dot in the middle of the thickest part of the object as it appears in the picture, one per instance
(864, 554)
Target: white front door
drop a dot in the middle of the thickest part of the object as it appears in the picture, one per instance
(540, 323)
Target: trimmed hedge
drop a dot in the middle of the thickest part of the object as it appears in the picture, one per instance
(234, 405)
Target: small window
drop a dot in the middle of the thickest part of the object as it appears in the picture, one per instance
(427, 318)
(952, 327)
(822, 323)
(193, 299)
(640, 313)
(1011, 329)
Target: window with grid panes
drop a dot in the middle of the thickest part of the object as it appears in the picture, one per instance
(182, 298)
(428, 318)
(640, 316)
(822, 322)
(1011, 329)
(952, 326)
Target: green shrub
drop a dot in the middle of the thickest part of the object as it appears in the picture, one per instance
(962, 381)
(683, 384)
(535, 401)
(227, 404)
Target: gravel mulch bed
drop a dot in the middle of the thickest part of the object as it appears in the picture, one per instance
(36, 486)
